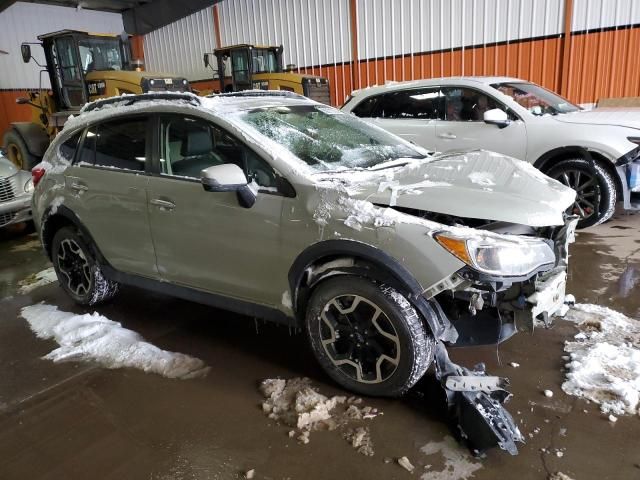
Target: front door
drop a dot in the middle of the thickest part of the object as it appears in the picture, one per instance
(240, 69)
(206, 240)
(106, 187)
(463, 126)
(69, 74)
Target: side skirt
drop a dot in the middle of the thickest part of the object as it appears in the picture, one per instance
(198, 296)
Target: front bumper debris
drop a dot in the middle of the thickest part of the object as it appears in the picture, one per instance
(475, 403)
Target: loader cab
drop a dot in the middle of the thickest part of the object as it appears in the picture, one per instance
(72, 56)
(238, 65)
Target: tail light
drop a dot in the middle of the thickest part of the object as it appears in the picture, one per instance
(36, 174)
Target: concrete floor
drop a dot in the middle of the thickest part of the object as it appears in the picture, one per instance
(78, 421)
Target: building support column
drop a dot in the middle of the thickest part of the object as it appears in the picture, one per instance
(355, 64)
(565, 50)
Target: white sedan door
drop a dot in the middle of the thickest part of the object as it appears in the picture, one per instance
(463, 127)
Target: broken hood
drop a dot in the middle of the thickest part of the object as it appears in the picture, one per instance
(477, 184)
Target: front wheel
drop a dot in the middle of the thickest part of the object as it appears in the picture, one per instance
(595, 190)
(367, 336)
(77, 270)
(17, 151)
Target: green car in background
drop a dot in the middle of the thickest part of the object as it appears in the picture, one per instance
(275, 206)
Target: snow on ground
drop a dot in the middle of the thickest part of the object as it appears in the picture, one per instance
(458, 463)
(45, 277)
(296, 403)
(604, 364)
(93, 337)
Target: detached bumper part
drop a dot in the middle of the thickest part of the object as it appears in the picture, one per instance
(475, 403)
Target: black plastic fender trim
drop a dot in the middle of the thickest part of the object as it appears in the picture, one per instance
(378, 266)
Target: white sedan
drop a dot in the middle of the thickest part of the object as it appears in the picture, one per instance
(597, 153)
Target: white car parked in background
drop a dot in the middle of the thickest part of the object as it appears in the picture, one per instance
(597, 153)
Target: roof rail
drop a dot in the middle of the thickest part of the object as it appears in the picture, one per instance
(259, 93)
(131, 99)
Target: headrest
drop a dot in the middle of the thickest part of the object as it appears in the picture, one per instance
(198, 143)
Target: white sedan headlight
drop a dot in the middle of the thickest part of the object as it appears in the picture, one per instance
(28, 186)
(502, 257)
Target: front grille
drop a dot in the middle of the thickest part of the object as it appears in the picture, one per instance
(6, 218)
(6, 190)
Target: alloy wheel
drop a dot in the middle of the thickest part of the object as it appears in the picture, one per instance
(74, 266)
(359, 339)
(587, 187)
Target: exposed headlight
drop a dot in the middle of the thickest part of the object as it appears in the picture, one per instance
(498, 256)
(28, 186)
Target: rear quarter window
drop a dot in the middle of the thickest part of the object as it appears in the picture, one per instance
(68, 148)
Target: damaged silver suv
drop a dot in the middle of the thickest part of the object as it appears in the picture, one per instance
(276, 206)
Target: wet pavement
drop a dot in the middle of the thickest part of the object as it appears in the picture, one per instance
(79, 421)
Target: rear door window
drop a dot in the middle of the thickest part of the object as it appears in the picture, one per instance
(121, 144)
(422, 103)
(69, 147)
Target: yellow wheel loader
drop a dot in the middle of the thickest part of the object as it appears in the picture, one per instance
(82, 67)
(257, 67)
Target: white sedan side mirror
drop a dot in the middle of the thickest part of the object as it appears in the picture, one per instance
(496, 117)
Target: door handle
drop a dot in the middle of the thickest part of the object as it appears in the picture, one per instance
(449, 136)
(79, 187)
(163, 204)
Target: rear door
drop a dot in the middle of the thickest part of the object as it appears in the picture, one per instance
(411, 114)
(463, 127)
(206, 240)
(106, 188)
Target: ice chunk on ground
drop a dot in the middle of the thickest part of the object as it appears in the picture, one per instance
(548, 393)
(360, 439)
(559, 476)
(296, 403)
(93, 337)
(458, 464)
(406, 464)
(40, 279)
(605, 359)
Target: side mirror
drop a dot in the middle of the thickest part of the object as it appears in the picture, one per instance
(496, 117)
(228, 178)
(206, 59)
(26, 52)
(22, 101)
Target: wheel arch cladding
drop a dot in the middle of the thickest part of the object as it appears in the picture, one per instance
(65, 217)
(549, 159)
(366, 261)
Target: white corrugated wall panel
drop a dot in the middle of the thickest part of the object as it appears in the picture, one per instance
(23, 22)
(178, 47)
(396, 27)
(312, 32)
(596, 14)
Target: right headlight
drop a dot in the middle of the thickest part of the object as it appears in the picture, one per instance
(502, 257)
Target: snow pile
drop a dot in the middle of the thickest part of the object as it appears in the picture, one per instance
(36, 280)
(92, 337)
(604, 361)
(482, 178)
(458, 464)
(296, 403)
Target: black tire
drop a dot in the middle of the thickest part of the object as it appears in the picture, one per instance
(596, 199)
(17, 151)
(77, 270)
(407, 356)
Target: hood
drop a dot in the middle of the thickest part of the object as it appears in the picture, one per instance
(477, 184)
(604, 116)
(7, 169)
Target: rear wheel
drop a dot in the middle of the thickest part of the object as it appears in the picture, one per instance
(77, 270)
(17, 151)
(367, 336)
(595, 190)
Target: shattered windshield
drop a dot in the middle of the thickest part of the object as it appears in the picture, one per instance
(538, 100)
(327, 139)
